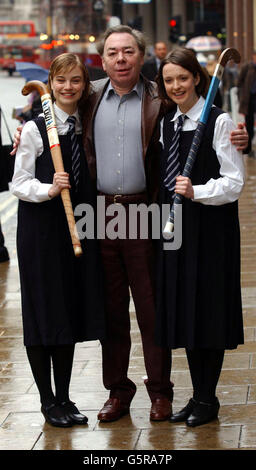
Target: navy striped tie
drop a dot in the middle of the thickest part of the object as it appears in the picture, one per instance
(173, 163)
(75, 150)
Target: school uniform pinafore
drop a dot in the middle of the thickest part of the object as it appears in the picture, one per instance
(198, 290)
(62, 296)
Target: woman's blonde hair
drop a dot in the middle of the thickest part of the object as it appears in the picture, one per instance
(66, 62)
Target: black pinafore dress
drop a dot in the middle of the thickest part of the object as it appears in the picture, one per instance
(198, 291)
(62, 296)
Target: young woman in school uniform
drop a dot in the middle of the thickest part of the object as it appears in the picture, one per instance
(198, 285)
(61, 294)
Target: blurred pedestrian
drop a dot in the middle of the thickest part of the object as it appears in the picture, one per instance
(198, 285)
(32, 109)
(95, 73)
(4, 255)
(247, 98)
(151, 66)
(229, 81)
(62, 301)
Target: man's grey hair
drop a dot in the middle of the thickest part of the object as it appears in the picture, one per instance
(138, 36)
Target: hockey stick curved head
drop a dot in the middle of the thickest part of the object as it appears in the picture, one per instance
(41, 87)
(228, 54)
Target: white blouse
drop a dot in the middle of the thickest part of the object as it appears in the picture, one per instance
(24, 185)
(229, 186)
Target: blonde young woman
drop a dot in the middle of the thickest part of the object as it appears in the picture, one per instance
(61, 294)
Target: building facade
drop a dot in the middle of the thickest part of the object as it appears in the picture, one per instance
(66, 16)
(20, 9)
(241, 23)
(235, 19)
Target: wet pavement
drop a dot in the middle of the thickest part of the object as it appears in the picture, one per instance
(22, 426)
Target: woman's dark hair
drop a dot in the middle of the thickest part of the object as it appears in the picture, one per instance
(187, 59)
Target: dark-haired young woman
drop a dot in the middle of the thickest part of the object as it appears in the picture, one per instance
(198, 285)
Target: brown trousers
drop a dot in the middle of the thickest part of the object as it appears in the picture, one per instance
(129, 264)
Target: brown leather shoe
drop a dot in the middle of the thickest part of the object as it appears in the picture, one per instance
(112, 410)
(161, 409)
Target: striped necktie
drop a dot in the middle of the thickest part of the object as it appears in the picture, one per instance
(75, 149)
(173, 163)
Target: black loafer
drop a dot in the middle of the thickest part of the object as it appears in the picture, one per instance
(55, 416)
(183, 414)
(73, 413)
(203, 413)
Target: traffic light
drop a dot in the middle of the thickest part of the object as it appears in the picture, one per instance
(175, 28)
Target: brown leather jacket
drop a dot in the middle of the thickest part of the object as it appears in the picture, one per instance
(151, 110)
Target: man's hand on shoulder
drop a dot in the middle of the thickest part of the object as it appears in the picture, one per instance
(16, 142)
(239, 137)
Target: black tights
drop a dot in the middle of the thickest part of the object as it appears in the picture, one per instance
(40, 362)
(205, 368)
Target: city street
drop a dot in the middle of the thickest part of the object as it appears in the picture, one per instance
(10, 98)
(22, 426)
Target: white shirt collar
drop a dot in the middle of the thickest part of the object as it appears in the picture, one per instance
(194, 113)
(62, 115)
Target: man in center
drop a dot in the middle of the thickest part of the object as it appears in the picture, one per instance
(122, 147)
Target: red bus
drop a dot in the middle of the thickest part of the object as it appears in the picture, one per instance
(17, 29)
(9, 54)
(18, 42)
